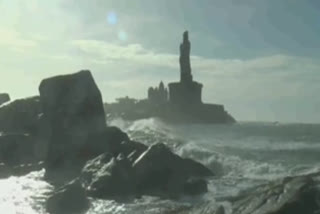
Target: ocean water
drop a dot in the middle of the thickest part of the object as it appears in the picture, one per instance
(242, 155)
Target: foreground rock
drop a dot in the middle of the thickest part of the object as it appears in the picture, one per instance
(20, 115)
(73, 112)
(69, 199)
(156, 172)
(19, 154)
(16, 149)
(161, 172)
(293, 195)
(67, 126)
(108, 177)
(109, 140)
(4, 97)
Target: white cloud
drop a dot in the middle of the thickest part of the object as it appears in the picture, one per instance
(40, 39)
(103, 52)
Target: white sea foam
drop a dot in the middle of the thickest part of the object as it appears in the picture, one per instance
(242, 156)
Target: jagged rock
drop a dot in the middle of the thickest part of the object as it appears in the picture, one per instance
(108, 177)
(157, 172)
(293, 195)
(69, 199)
(160, 172)
(4, 97)
(73, 112)
(20, 115)
(132, 149)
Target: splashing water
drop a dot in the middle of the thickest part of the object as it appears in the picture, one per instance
(242, 156)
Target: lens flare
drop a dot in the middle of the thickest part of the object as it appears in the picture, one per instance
(122, 35)
(112, 18)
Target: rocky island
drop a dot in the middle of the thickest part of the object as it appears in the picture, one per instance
(180, 102)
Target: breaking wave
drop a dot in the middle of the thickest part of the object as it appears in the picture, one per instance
(241, 155)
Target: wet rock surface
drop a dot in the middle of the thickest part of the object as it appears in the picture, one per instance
(109, 177)
(160, 172)
(73, 111)
(66, 128)
(157, 172)
(16, 149)
(292, 195)
(20, 115)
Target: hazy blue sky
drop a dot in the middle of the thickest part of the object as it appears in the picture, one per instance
(260, 58)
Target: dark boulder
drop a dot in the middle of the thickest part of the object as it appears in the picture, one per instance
(20, 115)
(73, 112)
(293, 195)
(108, 177)
(113, 141)
(17, 149)
(68, 199)
(19, 154)
(4, 97)
(132, 149)
(161, 172)
(156, 172)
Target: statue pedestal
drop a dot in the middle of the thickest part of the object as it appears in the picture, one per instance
(185, 93)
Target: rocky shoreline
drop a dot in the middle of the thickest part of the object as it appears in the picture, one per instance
(64, 130)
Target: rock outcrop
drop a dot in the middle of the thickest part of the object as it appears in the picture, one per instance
(21, 147)
(66, 127)
(161, 172)
(73, 113)
(4, 97)
(17, 149)
(292, 195)
(68, 199)
(20, 115)
(19, 154)
(156, 172)
(109, 177)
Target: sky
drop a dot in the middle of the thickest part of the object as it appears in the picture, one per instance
(260, 59)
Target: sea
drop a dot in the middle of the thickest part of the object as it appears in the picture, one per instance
(242, 155)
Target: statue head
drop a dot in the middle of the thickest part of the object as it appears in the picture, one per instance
(185, 36)
(161, 86)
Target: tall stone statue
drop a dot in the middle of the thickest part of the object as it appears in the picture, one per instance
(185, 67)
